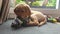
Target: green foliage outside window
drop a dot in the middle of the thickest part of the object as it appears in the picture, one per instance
(51, 3)
(20, 1)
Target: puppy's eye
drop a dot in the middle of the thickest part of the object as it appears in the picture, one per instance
(22, 11)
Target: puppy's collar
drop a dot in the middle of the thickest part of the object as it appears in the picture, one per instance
(19, 21)
(20, 18)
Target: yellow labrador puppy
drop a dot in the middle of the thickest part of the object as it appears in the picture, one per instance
(27, 17)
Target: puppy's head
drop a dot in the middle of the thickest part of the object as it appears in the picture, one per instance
(22, 10)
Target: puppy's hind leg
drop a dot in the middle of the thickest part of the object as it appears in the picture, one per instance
(33, 22)
(42, 22)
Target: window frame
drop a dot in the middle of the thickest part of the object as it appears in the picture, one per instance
(57, 4)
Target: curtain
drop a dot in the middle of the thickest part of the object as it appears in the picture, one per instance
(4, 10)
(0, 4)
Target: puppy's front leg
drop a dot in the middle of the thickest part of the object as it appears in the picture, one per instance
(33, 22)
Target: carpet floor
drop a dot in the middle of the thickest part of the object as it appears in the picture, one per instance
(49, 28)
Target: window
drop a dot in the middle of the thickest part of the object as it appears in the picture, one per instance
(40, 3)
(52, 7)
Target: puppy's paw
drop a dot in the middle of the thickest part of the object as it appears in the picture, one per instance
(39, 25)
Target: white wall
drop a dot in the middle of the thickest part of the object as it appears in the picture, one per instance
(53, 12)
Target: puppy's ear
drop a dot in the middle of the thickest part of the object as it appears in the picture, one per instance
(16, 9)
